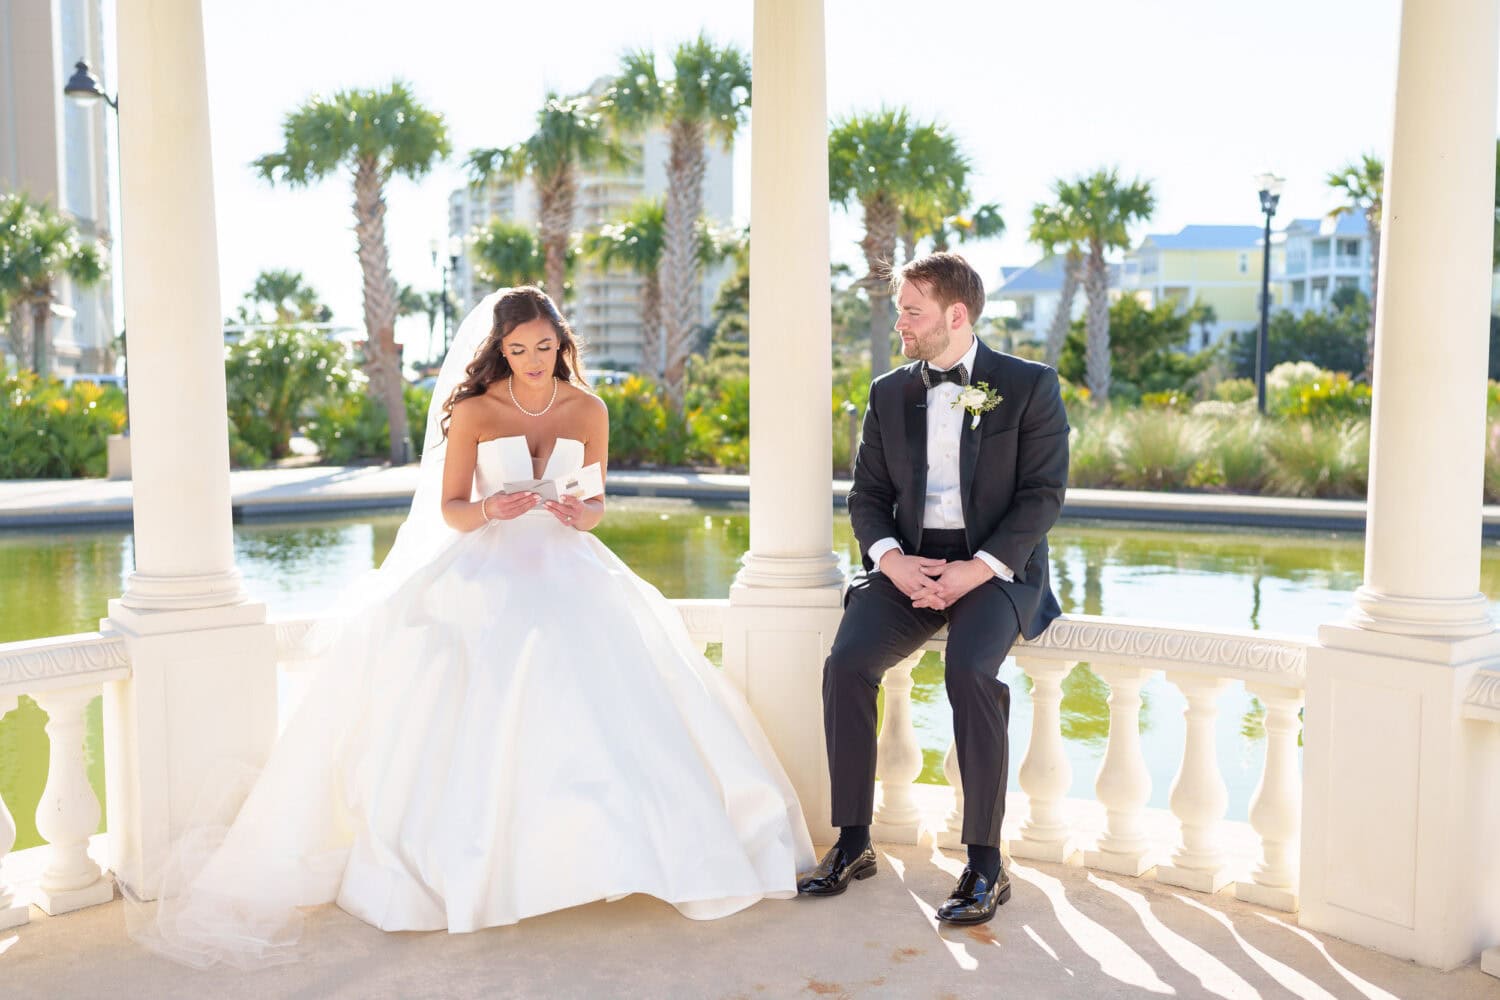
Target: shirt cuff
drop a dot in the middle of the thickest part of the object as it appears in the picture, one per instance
(880, 548)
(1003, 571)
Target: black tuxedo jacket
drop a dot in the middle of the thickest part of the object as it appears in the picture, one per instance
(1013, 472)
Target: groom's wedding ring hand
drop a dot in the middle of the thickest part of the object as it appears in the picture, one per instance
(506, 506)
(911, 574)
(952, 583)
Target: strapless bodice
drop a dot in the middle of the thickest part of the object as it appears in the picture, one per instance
(508, 460)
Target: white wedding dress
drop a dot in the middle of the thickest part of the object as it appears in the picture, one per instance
(520, 726)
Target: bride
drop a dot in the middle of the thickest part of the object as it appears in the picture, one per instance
(510, 722)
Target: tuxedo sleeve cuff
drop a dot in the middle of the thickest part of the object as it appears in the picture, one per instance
(880, 548)
(1003, 571)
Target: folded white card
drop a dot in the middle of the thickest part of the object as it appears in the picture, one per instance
(584, 484)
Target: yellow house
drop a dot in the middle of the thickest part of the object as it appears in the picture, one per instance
(1219, 266)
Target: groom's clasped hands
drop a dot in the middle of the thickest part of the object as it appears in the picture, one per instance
(933, 583)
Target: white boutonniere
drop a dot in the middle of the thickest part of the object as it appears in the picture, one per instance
(978, 399)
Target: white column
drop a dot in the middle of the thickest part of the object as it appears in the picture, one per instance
(203, 683)
(1124, 785)
(179, 428)
(1276, 806)
(952, 835)
(1394, 818)
(12, 913)
(68, 813)
(784, 605)
(1199, 796)
(1045, 774)
(898, 759)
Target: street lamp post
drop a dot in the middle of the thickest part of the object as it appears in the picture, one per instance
(455, 249)
(1270, 193)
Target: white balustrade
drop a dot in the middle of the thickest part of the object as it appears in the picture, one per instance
(1124, 785)
(898, 758)
(12, 913)
(1199, 796)
(68, 813)
(1276, 807)
(1045, 774)
(952, 835)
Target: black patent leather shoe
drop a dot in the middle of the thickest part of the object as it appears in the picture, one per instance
(836, 871)
(975, 898)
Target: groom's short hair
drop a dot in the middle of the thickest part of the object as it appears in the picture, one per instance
(946, 277)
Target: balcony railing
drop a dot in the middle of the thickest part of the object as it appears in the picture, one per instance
(65, 673)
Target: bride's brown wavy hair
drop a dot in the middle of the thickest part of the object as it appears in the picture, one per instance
(514, 307)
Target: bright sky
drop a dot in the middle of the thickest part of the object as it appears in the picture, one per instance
(1195, 96)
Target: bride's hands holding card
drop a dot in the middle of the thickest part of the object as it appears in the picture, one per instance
(575, 513)
(507, 506)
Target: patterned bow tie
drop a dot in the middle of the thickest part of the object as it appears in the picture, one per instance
(958, 375)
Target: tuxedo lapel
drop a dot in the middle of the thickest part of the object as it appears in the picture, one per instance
(985, 361)
(914, 407)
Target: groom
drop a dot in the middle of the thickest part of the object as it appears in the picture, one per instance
(955, 487)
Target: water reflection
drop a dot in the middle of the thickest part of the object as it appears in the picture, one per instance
(60, 582)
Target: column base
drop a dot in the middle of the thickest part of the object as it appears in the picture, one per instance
(1198, 879)
(14, 916)
(790, 572)
(1447, 618)
(1284, 900)
(1060, 852)
(147, 593)
(56, 902)
(1132, 864)
(1489, 962)
(137, 621)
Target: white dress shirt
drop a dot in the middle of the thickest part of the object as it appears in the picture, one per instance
(944, 507)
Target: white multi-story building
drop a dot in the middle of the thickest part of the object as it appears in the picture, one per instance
(58, 151)
(1031, 295)
(605, 310)
(1322, 256)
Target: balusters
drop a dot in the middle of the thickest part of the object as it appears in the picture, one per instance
(1124, 785)
(68, 813)
(1045, 774)
(952, 835)
(1276, 807)
(12, 913)
(898, 758)
(1199, 795)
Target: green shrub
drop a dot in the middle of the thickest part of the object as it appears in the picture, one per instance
(721, 430)
(274, 380)
(1313, 459)
(1235, 390)
(1333, 398)
(1158, 450)
(1093, 451)
(1492, 463)
(353, 427)
(1169, 399)
(1285, 382)
(1235, 458)
(643, 428)
(48, 432)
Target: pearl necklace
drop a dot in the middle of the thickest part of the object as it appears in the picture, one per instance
(510, 384)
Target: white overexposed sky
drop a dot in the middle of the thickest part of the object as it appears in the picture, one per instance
(1195, 95)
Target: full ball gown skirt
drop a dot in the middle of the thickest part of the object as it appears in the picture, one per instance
(522, 726)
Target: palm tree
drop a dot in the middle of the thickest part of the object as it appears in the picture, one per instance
(39, 246)
(1362, 183)
(570, 135)
(1105, 207)
(290, 298)
(375, 135)
(508, 253)
(945, 226)
(886, 163)
(1054, 226)
(637, 242)
(707, 97)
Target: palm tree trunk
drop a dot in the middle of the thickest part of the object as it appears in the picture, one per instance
(556, 196)
(651, 356)
(1372, 223)
(1096, 355)
(382, 353)
(681, 294)
(882, 229)
(1057, 332)
(41, 323)
(16, 330)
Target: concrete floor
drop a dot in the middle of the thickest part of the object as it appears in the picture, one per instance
(1066, 932)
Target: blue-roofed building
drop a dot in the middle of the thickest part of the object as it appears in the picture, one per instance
(1030, 295)
(1219, 266)
(1321, 256)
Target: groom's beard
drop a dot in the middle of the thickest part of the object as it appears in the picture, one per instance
(926, 346)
